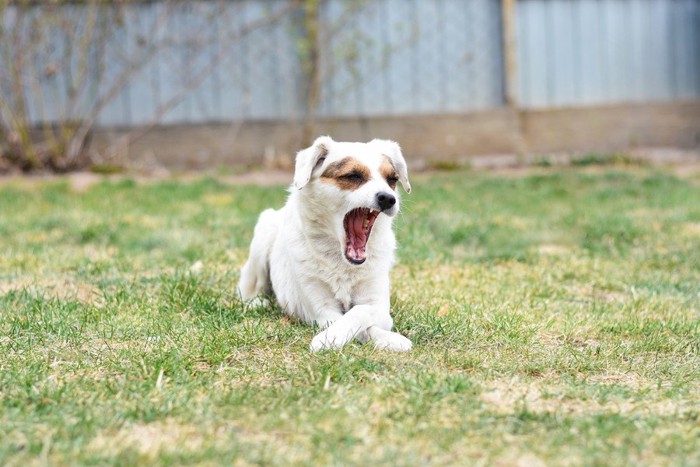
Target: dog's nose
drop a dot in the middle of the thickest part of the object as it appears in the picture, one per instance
(385, 200)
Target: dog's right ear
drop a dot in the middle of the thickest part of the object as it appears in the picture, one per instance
(308, 159)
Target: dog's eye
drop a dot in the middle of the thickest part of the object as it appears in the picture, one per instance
(392, 180)
(353, 177)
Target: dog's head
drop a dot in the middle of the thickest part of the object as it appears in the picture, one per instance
(353, 184)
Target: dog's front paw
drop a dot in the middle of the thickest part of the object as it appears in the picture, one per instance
(328, 340)
(257, 302)
(393, 341)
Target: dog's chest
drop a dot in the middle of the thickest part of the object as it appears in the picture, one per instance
(342, 285)
(344, 294)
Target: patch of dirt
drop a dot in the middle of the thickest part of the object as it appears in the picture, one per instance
(691, 228)
(150, 439)
(62, 289)
(519, 459)
(171, 436)
(679, 158)
(578, 340)
(630, 380)
(262, 178)
(553, 249)
(80, 182)
(510, 396)
(684, 163)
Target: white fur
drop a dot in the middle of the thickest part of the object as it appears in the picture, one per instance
(297, 252)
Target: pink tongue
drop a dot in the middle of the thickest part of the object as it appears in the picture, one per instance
(357, 239)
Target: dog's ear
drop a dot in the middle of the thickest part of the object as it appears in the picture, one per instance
(393, 150)
(308, 159)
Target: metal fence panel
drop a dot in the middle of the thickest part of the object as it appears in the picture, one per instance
(397, 57)
(377, 57)
(574, 52)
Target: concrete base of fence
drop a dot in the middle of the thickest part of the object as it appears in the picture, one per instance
(425, 139)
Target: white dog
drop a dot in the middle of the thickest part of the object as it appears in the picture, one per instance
(326, 255)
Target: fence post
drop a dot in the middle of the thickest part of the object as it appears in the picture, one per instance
(311, 66)
(510, 63)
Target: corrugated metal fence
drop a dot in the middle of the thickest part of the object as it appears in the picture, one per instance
(387, 57)
(397, 57)
(578, 52)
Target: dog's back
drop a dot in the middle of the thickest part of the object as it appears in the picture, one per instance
(255, 275)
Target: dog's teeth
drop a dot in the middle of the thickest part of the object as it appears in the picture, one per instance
(365, 224)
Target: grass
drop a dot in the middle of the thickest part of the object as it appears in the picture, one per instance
(555, 318)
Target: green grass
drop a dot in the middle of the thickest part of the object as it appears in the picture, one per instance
(555, 318)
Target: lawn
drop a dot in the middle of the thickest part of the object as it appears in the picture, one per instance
(554, 317)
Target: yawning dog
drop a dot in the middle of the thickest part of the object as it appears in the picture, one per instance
(326, 255)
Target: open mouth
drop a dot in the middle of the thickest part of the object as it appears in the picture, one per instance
(358, 225)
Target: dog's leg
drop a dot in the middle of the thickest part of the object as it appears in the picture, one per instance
(362, 321)
(343, 330)
(255, 275)
(327, 317)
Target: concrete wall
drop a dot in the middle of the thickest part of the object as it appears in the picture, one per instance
(425, 139)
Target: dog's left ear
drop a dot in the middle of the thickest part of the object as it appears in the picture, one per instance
(393, 150)
(309, 158)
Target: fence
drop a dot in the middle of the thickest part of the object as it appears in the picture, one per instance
(574, 52)
(375, 58)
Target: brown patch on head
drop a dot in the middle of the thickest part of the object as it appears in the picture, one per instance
(346, 174)
(388, 172)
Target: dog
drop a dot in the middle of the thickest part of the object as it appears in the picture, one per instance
(327, 254)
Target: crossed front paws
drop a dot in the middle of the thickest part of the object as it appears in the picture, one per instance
(336, 339)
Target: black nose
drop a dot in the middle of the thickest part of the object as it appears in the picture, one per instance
(385, 200)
